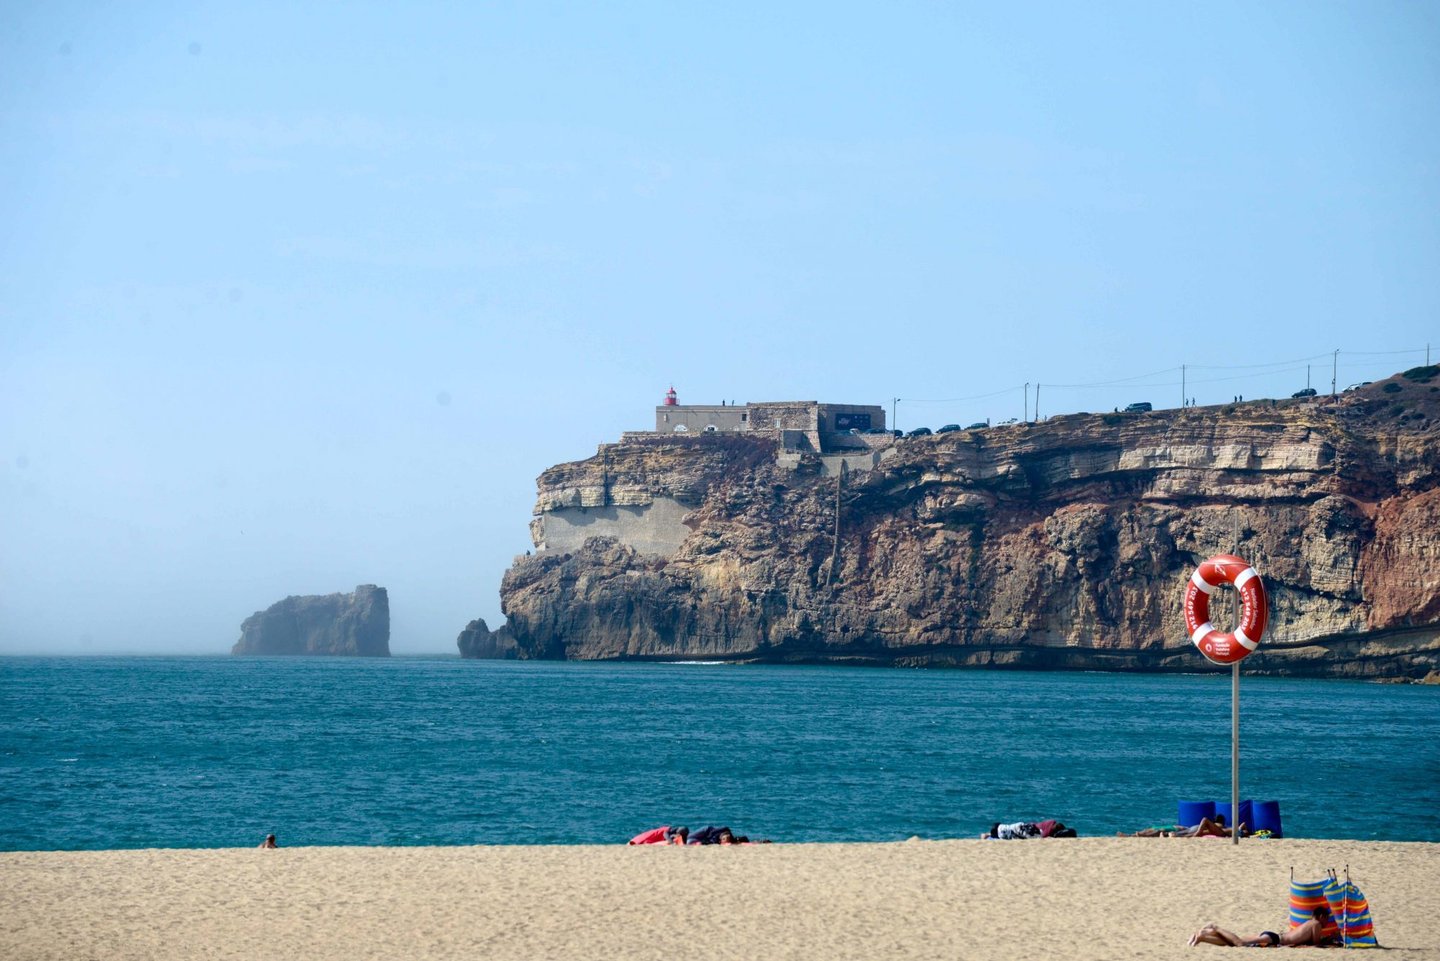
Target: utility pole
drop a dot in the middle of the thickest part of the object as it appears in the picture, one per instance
(1307, 376)
(1037, 402)
(1334, 366)
(1184, 397)
(1027, 402)
(894, 413)
(835, 546)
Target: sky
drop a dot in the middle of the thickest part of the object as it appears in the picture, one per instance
(295, 297)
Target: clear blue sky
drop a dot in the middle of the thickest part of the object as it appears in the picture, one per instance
(296, 299)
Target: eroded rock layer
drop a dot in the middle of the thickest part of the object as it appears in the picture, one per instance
(1062, 544)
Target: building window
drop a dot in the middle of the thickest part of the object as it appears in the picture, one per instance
(744, 417)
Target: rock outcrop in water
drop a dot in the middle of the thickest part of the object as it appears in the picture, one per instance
(1062, 544)
(355, 624)
(478, 641)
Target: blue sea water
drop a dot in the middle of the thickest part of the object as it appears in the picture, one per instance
(218, 751)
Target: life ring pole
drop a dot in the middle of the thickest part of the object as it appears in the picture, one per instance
(1235, 752)
(1228, 648)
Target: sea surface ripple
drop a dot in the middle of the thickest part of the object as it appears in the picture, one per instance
(196, 752)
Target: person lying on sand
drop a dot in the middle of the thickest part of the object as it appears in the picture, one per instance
(662, 835)
(706, 835)
(1027, 829)
(1309, 934)
(1205, 829)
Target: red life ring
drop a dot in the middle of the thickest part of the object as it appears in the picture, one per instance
(1255, 610)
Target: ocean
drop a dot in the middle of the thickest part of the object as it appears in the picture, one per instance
(201, 752)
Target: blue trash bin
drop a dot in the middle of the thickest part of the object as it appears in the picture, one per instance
(1193, 812)
(1267, 818)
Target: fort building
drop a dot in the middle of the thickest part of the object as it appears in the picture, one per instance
(832, 436)
(804, 425)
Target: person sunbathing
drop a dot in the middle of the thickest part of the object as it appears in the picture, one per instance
(1021, 830)
(712, 835)
(1309, 934)
(1205, 829)
(661, 835)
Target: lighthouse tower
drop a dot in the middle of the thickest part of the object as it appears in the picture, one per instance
(670, 399)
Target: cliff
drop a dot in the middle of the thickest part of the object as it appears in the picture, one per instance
(1061, 544)
(345, 624)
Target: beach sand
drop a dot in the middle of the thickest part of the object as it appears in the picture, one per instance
(1085, 898)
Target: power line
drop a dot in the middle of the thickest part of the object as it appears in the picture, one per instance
(1122, 380)
(952, 400)
(1273, 368)
(1273, 363)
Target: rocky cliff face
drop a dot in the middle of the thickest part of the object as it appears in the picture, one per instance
(354, 624)
(1062, 544)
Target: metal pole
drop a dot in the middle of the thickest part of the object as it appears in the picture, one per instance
(1184, 396)
(1037, 402)
(894, 413)
(1334, 364)
(1027, 402)
(835, 552)
(1235, 752)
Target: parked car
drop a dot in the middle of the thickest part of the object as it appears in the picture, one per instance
(1363, 383)
(1307, 392)
(948, 429)
(920, 432)
(877, 430)
(979, 425)
(1139, 407)
(1011, 420)
(898, 433)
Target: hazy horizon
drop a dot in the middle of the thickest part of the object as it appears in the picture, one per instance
(296, 299)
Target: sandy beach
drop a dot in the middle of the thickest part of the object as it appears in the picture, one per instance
(1085, 898)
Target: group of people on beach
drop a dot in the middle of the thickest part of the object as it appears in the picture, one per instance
(1310, 934)
(1012, 831)
(1021, 830)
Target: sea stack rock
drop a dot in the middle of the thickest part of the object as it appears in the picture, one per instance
(478, 641)
(355, 624)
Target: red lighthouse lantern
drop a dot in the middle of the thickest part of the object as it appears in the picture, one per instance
(670, 400)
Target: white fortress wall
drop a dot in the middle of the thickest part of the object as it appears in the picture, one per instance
(830, 463)
(654, 528)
